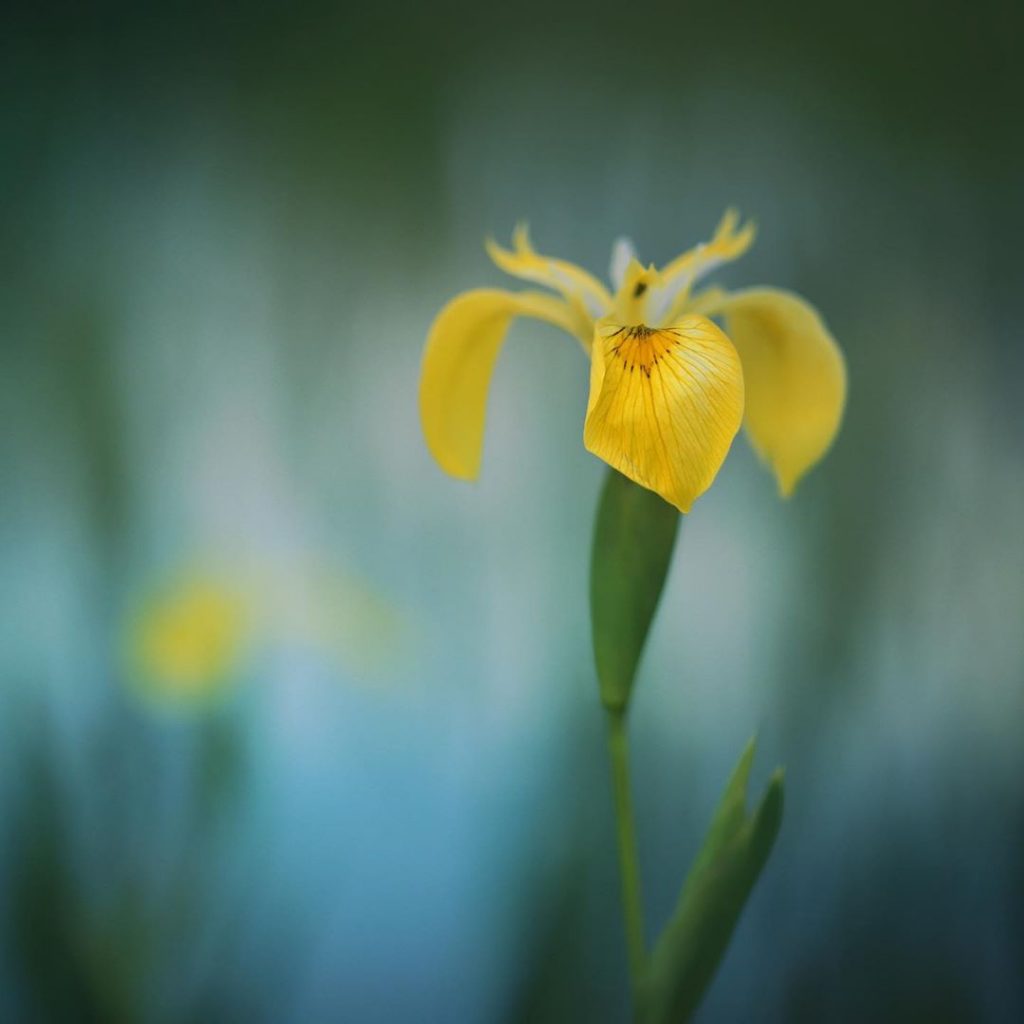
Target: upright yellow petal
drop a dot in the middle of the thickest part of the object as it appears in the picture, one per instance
(569, 280)
(664, 404)
(630, 304)
(795, 377)
(462, 347)
(679, 276)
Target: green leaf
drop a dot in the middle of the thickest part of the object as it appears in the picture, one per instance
(633, 540)
(716, 889)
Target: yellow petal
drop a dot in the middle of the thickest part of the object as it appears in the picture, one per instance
(462, 347)
(631, 300)
(564, 277)
(187, 642)
(707, 302)
(795, 377)
(679, 276)
(664, 405)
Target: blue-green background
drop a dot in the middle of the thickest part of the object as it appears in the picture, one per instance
(223, 234)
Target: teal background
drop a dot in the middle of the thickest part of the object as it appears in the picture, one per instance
(224, 235)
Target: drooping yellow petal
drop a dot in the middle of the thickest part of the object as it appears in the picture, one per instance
(462, 347)
(569, 280)
(795, 377)
(679, 276)
(664, 404)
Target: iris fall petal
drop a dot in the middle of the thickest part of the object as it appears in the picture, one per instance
(665, 404)
(795, 379)
(462, 347)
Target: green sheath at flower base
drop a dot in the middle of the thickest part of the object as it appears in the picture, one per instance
(633, 541)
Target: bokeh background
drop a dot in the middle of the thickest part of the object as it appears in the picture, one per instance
(379, 793)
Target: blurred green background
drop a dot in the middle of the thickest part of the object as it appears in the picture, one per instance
(224, 234)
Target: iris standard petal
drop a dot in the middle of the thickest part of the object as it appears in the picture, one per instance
(525, 262)
(462, 347)
(630, 305)
(623, 253)
(665, 404)
(679, 276)
(795, 378)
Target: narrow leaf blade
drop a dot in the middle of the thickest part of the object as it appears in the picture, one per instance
(716, 890)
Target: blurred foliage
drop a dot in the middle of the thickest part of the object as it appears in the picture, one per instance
(88, 955)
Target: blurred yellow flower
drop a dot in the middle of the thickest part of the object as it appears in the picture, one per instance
(188, 642)
(668, 387)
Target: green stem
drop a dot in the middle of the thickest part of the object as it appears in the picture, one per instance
(632, 901)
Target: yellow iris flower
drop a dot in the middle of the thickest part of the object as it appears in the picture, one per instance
(186, 644)
(188, 641)
(668, 387)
